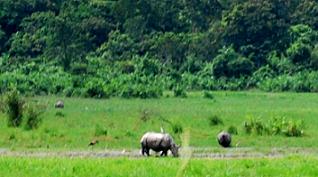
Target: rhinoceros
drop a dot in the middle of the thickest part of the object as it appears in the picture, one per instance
(224, 139)
(158, 142)
(59, 104)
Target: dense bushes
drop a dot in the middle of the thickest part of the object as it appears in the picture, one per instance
(275, 126)
(299, 82)
(231, 64)
(19, 111)
(146, 83)
(33, 115)
(113, 71)
(14, 108)
(138, 49)
(95, 87)
(36, 79)
(215, 120)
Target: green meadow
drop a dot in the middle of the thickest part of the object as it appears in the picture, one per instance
(119, 123)
(66, 167)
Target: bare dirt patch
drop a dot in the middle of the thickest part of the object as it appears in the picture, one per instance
(230, 153)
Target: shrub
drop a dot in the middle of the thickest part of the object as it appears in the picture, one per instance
(279, 125)
(229, 63)
(129, 133)
(314, 57)
(262, 73)
(118, 47)
(276, 126)
(248, 127)
(145, 115)
(299, 52)
(179, 91)
(100, 130)
(254, 125)
(126, 67)
(147, 65)
(208, 95)
(95, 88)
(300, 82)
(277, 63)
(232, 130)
(191, 65)
(68, 92)
(259, 127)
(14, 108)
(177, 128)
(78, 92)
(12, 137)
(294, 128)
(33, 116)
(191, 81)
(139, 91)
(59, 114)
(215, 120)
(2, 107)
(136, 86)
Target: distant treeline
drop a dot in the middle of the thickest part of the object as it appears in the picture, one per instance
(138, 48)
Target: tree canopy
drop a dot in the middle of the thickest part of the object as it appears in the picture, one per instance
(199, 44)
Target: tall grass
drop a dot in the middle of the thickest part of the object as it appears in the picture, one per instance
(122, 117)
(159, 167)
(186, 153)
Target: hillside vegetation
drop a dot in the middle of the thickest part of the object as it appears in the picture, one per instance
(130, 48)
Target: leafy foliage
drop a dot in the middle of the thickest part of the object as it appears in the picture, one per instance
(179, 91)
(100, 130)
(232, 130)
(276, 126)
(177, 128)
(14, 108)
(215, 120)
(231, 64)
(33, 115)
(207, 94)
(140, 48)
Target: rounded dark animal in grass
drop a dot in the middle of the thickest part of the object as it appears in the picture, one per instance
(224, 139)
(59, 104)
(158, 142)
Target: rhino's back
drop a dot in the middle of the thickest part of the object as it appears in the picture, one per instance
(156, 141)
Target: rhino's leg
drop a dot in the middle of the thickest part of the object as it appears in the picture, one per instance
(147, 151)
(164, 153)
(143, 150)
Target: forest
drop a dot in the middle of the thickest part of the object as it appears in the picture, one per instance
(140, 48)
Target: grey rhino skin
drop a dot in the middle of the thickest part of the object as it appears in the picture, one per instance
(59, 104)
(224, 139)
(158, 142)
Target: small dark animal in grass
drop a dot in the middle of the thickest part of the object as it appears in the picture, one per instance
(158, 142)
(224, 139)
(59, 104)
(92, 143)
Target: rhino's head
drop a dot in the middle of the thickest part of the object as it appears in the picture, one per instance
(175, 150)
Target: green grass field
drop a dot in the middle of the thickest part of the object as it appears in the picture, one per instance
(124, 121)
(165, 167)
